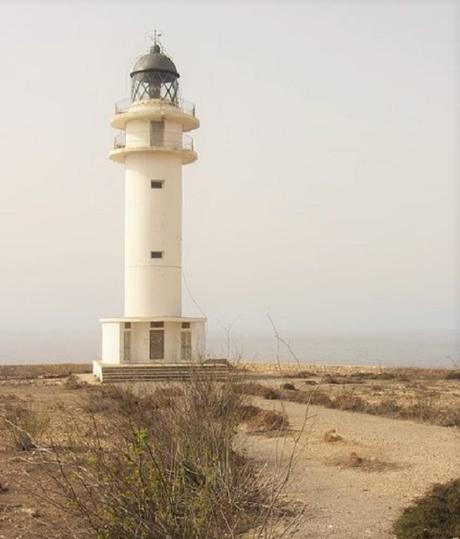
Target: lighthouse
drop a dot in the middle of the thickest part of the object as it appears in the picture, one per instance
(153, 145)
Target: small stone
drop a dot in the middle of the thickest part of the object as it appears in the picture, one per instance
(34, 513)
(355, 459)
(331, 436)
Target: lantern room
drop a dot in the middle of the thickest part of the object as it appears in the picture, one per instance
(154, 76)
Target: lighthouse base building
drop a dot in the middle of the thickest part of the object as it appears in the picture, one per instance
(158, 339)
(153, 145)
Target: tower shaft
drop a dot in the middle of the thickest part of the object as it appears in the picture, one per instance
(153, 222)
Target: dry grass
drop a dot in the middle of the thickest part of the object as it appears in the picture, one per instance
(422, 406)
(31, 372)
(25, 425)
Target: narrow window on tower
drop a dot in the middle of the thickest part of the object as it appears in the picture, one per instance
(156, 184)
(156, 254)
(156, 133)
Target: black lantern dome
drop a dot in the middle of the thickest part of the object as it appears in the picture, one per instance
(154, 76)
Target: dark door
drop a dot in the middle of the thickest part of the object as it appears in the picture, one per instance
(186, 346)
(127, 345)
(157, 344)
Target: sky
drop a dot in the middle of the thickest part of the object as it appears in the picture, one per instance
(326, 189)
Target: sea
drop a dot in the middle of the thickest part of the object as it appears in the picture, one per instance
(426, 349)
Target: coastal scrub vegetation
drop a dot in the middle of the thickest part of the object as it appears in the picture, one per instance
(166, 464)
(25, 425)
(434, 516)
(421, 407)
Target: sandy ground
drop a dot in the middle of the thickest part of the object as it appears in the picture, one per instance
(402, 460)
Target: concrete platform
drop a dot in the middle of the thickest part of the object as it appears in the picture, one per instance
(145, 372)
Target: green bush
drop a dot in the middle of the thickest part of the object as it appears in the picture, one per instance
(434, 516)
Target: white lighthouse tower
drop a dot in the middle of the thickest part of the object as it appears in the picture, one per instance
(153, 149)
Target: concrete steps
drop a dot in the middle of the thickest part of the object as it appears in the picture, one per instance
(158, 372)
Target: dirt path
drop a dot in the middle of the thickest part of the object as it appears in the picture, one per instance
(401, 460)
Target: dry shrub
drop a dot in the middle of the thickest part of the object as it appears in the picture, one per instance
(9, 397)
(434, 516)
(340, 379)
(387, 407)
(348, 401)
(320, 398)
(251, 388)
(449, 417)
(329, 379)
(331, 436)
(73, 382)
(168, 392)
(423, 408)
(25, 425)
(303, 374)
(248, 411)
(162, 397)
(268, 421)
(299, 397)
(288, 386)
(385, 375)
(176, 476)
(271, 394)
(111, 399)
(259, 390)
(125, 402)
(453, 375)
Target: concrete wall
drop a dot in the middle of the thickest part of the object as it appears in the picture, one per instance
(112, 345)
(172, 341)
(139, 342)
(198, 340)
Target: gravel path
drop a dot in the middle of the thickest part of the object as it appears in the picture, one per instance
(401, 460)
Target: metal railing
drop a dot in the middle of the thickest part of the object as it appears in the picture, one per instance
(185, 142)
(185, 106)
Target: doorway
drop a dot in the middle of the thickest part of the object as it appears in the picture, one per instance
(186, 345)
(157, 344)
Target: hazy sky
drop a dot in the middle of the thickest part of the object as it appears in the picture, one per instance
(326, 190)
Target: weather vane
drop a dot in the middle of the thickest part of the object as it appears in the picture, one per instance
(155, 37)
